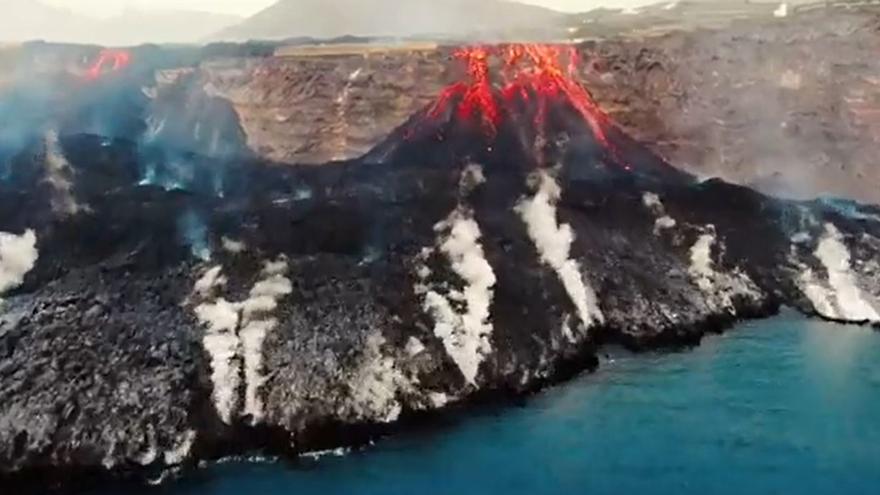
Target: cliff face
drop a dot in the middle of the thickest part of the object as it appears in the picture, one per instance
(789, 106)
(318, 109)
(785, 106)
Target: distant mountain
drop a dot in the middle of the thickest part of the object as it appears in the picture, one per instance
(335, 18)
(25, 20)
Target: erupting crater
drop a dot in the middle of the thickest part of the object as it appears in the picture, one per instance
(526, 100)
(108, 61)
(539, 73)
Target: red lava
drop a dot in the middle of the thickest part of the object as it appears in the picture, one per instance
(108, 61)
(534, 73)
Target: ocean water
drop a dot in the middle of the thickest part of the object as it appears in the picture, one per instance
(781, 406)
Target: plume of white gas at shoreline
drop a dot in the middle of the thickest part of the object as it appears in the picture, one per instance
(466, 331)
(852, 303)
(235, 334)
(466, 336)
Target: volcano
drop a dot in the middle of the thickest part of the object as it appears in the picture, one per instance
(108, 60)
(522, 105)
(489, 247)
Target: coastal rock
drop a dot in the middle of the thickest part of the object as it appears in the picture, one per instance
(138, 342)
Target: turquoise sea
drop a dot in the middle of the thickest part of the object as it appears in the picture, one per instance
(783, 406)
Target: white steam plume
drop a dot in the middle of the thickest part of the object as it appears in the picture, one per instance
(18, 255)
(553, 242)
(235, 335)
(849, 299)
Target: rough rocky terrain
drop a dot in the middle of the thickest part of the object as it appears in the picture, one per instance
(147, 326)
(788, 105)
(174, 292)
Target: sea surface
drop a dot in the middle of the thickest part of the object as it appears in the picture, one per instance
(783, 406)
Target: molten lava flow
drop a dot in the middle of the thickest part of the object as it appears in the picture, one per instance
(473, 98)
(540, 74)
(108, 61)
(538, 70)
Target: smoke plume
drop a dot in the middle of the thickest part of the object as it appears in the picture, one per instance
(18, 255)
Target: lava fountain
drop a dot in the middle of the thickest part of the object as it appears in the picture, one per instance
(521, 81)
(108, 61)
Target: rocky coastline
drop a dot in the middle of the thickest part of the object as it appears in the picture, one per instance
(172, 297)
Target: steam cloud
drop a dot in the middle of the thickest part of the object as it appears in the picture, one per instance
(835, 257)
(18, 255)
(553, 241)
(466, 335)
(235, 332)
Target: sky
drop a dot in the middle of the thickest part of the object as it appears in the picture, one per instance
(104, 8)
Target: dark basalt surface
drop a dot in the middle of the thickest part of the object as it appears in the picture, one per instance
(104, 367)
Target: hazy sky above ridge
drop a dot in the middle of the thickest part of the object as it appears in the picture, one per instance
(164, 21)
(104, 8)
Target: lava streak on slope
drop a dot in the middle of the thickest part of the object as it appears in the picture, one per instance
(474, 98)
(108, 61)
(528, 78)
(537, 70)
